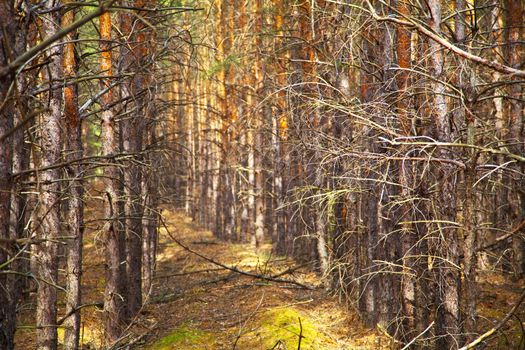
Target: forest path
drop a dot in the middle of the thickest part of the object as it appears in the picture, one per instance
(198, 305)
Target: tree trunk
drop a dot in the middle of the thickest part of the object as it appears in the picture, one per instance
(449, 322)
(151, 210)
(516, 131)
(132, 128)
(409, 237)
(48, 207)
(258, 137)
(114, 306)
(8, 29)
(75, 205)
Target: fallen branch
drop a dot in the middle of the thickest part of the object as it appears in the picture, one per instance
(493, 330)
(188, 273)
(233, 268)
(166, 298)
(219, 279)
(291, 270)
(205, 242)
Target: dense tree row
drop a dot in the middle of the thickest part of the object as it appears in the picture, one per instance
(382, 139)
(81, 102)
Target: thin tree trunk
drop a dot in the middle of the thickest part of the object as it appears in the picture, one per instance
(48, 207)
(132, 144)
(516, 132)
(369, 200)
(230, 117)
(75, 205)
(191, 157)
(408, 234)
(114, 308)
(8, 28)
(449, 281)
(258, 137)
(150, 219)
(282, 159)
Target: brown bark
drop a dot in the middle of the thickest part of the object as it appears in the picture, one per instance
(282, 154)
(48, 207)
(114, 307)
(408, 234)
(516, 111)
(449, 322)
(134, 61)
(230, 121)
(74, 212)
(8, 28)
(469, 243)
(150, 220)
(367, 203)
(220, 100)
(150, 186)
(258, 137)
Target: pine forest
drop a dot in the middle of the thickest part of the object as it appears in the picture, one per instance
(262, 174)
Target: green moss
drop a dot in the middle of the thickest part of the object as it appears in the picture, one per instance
(184, 336)
(282, 325)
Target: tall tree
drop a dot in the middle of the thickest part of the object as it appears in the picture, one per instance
(48, 207)
(132, 60)
(449, 323)
(282, 159)
(8, 297)
(409, 236)
(74, 202)
(258, 190)
(150, 180)
(516, 112)
(114, 307)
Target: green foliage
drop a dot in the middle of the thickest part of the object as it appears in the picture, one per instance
(218, 66)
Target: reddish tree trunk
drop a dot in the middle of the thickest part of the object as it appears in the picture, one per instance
(114, 308)
(75, 205)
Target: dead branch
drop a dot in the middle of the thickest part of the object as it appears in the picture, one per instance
(493, 330)
(32, 52)
(446, 44)
(500, 239)
(233, 268)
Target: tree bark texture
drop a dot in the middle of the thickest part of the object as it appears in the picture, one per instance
(114, 307)
(8, 29)
(75, 202)
(48, 206)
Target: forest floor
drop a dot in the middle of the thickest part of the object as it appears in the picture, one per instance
(196, 304)
(199, 305)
